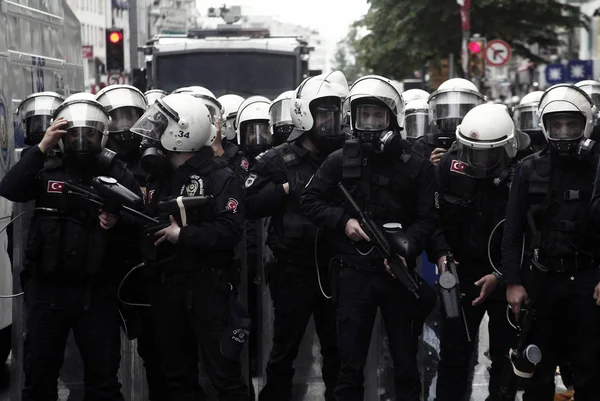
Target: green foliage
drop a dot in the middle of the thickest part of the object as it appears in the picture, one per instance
(404, 35)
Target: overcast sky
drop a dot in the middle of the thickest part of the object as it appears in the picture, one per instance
(330, 17)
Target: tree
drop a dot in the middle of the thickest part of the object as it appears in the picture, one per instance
(404, 35)
(344, 59)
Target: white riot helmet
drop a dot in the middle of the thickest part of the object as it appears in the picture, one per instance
(230, 104)
(153, 95)
(416, 118)
(567, 115)
(252, 122)
(280, 116)
(182, 123)
(82, 96)
(487, 140)
(316, 108)
(527, 120)
(414, 94)
(87, 128)
(207, 97)
(448, 105)
(592, 88)
(35, 114)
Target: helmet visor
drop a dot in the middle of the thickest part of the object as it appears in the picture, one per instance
(258, 133)
(370, 117)
(453, 104)
(152, 124)
(82, 140)
(528, 120)
(116, 97)
(124, 118)
(416, 123)
(564, 126)
(39, 105)
(379, 89)
(328, 120)
(279, 113)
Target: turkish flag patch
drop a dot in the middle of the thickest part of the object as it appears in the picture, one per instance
(150, 195)
(232, 205)
(244, 164)
(458, 167)
(55, 187)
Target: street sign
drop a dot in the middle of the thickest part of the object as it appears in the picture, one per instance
(116, 79)
(497, 53)
(579, 70)
(555, 74)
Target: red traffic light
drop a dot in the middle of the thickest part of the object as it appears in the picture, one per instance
(115, 37)
(474, 47)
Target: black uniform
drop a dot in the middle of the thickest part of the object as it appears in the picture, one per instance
(192, 295)
(470, 209)
(67, 279)
(237, 161)
(555, 193)
(394, 188)
(293, 279)
(422, 147)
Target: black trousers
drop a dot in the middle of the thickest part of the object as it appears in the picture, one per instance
(191, 313)
(565, 300)
(90, 310)
(360, 293)
(456, 350)
(296, 297)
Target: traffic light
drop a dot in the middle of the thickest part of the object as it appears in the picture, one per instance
(115, 50)
(476, 60)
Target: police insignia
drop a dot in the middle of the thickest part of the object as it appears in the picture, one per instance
(195, 187)
(232, 204)
(250, 180)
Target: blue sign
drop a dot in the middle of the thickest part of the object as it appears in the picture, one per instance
(555, 74)
(579, 70)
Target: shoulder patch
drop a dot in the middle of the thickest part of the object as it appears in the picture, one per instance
(458, 167)
(232, 204)
(250, 180)
(244, 164)
(55, 187)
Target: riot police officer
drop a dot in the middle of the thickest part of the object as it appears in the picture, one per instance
(273, 188)
(527, 120)
(67, 280)
(391, 185)
(126, 104)
(447, 107)
(237, 161)
(550, 201)
(473, 179)
(195, 252)
(281, 118)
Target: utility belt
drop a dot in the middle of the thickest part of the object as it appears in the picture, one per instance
(568, 264)
(374, 266)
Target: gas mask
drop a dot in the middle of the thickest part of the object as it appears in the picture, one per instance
(326, 132)
(257, 135)
(281, 133)
(80, 143)
(35, 128)
(124, 142)
(154, 158)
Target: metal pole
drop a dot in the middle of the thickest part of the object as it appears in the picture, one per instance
(133, 35)
(451, 65)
